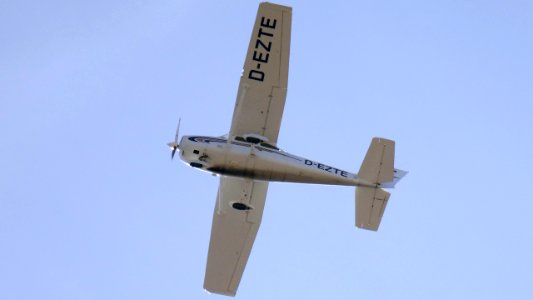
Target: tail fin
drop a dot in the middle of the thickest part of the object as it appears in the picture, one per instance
(377, 168)
(378, 165)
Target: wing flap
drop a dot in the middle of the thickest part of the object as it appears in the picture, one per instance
(233, 233)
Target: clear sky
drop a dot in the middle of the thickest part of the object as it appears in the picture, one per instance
(91, 207)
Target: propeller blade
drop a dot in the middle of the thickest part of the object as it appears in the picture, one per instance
(173, 152)
(174, 145)
(177, 132)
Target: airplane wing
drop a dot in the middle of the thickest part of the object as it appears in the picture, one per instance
(258, 110)
(263, 85)
(233, 233)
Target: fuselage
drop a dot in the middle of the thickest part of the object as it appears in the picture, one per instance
(258, 160)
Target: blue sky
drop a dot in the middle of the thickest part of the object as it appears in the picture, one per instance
(91, 207)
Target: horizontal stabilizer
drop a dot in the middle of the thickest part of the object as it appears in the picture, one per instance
(370, 206)
(378, 165)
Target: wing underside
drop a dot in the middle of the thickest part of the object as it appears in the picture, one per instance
(233, 233)
(258, 110)
(263, 85)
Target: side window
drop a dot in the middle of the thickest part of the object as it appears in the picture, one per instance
(253, 140)
(266, 145)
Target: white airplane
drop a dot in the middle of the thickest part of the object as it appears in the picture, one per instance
(248, 159)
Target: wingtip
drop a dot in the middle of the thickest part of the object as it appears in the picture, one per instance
(225, 293)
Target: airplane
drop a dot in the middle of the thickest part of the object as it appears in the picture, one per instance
(248, 158)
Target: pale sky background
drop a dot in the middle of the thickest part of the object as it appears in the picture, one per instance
(91, 207)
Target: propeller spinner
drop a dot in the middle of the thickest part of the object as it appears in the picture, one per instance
(174, 145)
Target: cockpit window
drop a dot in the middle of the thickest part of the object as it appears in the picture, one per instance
(253, 140)
(267, 145)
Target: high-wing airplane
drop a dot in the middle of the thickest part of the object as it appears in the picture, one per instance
(248, 158)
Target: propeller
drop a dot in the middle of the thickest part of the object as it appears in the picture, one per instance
(174, 145)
